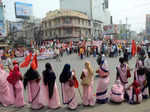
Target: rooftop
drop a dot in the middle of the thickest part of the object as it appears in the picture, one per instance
(63, 13)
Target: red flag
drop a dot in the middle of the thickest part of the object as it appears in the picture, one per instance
(70, 44)
(26, 61)
(34, 63)
(133, 48)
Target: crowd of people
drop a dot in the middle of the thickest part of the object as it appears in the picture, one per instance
(82, 48)
(13, 84)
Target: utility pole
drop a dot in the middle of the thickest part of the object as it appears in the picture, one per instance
(91, 14)
(126, 28)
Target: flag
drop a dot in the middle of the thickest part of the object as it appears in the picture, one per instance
(70, 44)
(31, 43)
(34, 63)
(133, 48)
(26, 61)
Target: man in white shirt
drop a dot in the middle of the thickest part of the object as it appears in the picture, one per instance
(57, 54)
(147, 62)
(147, 66)
(8, 61)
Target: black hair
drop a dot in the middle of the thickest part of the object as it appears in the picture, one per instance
(121, 60)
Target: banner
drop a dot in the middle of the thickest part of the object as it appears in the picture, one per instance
(23, 10)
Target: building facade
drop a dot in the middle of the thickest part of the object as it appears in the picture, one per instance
(24, 31)
(66, 25)
(95, 9)
(2, 25)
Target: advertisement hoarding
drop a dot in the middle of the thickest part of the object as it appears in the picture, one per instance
(23, 10)
(111, 29)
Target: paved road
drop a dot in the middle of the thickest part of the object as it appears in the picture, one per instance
(78, 65)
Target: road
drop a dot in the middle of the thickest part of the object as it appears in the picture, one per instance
(78, 65)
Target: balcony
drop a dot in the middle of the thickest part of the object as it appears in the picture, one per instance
(66, 26)
(70, 35)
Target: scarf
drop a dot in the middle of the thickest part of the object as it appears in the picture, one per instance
(14, 75)
(122, 73)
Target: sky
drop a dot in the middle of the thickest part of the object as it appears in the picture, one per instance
(133, 10)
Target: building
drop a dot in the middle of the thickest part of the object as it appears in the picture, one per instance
(24, 31)
(148, 26)
(133, 36)
(95, 9)
(120, 31)
(2, 25)
(97, 29)
(66, 25)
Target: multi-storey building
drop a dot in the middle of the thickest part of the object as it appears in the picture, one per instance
(95, 9)
(2, 26)
(66, 25)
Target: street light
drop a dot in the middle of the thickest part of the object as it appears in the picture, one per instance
(126, 28)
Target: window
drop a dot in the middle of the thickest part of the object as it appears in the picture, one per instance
(57, 21)
(45, 25)
(46, 33)
(67, 20)
(78, 21)
(87, 32)
(68, 31)
(49, 23)
(82, 22)
(78, 31)
(59, 32)
(89, 23)
(50, 34)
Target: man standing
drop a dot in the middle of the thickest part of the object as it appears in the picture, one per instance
(81, 52)
(57, 53)
(147, 66)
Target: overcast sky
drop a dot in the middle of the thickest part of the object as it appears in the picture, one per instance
(134, 10)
